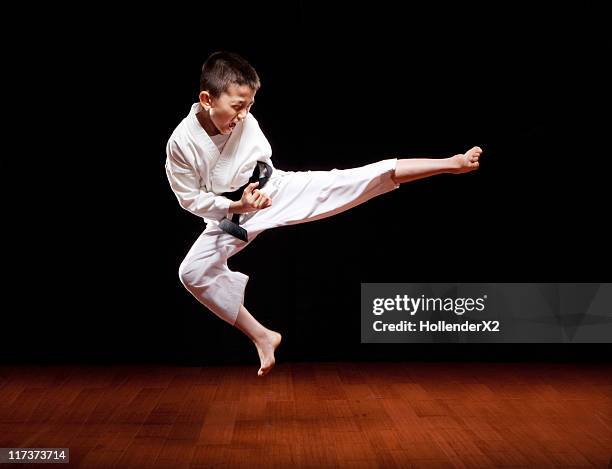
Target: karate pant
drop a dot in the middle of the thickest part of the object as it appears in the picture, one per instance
(297, 197)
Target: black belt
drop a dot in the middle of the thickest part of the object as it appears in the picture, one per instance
(261, 173)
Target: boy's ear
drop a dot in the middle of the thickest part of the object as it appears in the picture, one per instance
(205, 100)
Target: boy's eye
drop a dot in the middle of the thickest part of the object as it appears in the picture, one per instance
(238, 107)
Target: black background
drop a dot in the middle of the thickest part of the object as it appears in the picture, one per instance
(96, 236)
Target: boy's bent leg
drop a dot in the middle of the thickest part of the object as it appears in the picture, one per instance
(305, 196)
(205, 274)
(266, 341)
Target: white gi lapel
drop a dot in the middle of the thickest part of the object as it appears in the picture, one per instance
(228, 162)
(199, 132)
(219, 163)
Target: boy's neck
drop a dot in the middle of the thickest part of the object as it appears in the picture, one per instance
(206, 123)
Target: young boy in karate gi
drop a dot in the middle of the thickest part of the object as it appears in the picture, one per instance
(219, 167)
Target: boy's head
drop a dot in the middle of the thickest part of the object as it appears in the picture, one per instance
(227, 89)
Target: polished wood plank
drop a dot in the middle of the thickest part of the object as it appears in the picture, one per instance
(349, 415)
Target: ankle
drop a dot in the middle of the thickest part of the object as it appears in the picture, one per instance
(261, 335)
(453, 164)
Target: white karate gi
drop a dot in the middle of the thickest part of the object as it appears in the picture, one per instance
(198, 173)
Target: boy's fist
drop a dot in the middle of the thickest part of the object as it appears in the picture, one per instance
(253, 199)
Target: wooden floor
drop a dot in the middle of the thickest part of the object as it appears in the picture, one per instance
(318, 415)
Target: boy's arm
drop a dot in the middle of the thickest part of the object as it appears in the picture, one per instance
(191, 197)
(235, 207)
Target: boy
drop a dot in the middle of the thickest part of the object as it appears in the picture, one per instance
(219, 167)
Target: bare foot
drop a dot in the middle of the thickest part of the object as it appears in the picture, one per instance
(467, 161)
(266, 347)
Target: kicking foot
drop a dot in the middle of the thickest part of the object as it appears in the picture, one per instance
(468, 161)
(266, 347)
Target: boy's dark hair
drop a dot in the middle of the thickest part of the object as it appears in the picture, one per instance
(221, 69)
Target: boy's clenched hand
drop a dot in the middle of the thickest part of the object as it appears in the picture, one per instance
(252, 200)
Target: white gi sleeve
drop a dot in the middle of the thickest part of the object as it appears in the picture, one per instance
(184, 183)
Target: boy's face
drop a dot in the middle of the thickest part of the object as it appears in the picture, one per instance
(231, 107)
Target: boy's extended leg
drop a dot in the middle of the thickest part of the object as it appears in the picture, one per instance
(304, 196)
(412, 169)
